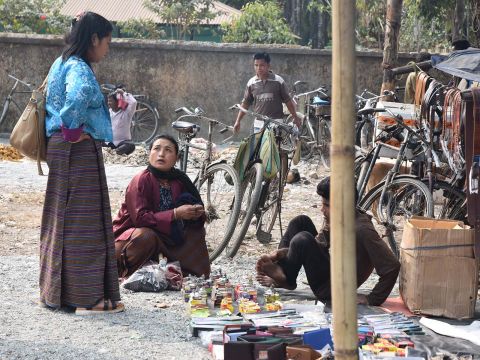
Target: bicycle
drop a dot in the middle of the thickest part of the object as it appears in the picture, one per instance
(261, 197)
(10, 97)
(217, 182)
(145, 121)
(315, 132)
(403, 196)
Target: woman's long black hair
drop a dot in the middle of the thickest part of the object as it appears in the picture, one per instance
(79, 39)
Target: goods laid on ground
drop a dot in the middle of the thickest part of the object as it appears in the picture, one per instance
(239, 321)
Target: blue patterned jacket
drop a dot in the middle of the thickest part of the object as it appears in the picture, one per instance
(74, 99)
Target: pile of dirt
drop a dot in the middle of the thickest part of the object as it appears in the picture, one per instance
(195, 157)
(9, 153)
(138, 158)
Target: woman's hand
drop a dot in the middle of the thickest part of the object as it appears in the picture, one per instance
(189, 212)
(83, 136)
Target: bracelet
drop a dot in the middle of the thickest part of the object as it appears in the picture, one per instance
(174, 213)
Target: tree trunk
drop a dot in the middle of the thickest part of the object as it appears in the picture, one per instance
(458, 20)
(390, 48)
(476, 21)
(324, 21)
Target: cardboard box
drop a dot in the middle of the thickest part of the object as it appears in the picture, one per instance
(439, 274)
(302, 352)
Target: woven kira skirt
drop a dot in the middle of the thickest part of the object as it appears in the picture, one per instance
(77, 252)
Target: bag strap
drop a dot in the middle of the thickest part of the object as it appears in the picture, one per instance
(43, 87)
(39, 139)
(41, 90)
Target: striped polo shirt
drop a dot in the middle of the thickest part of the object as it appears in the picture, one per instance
(267, 96)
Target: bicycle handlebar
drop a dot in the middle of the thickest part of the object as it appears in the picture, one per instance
(198, 114)
(30, 86)
(374, 97)
(320, 90)
(288, 128)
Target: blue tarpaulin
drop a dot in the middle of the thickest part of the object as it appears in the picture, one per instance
(464, 64)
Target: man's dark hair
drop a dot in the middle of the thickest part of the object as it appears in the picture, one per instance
(422, 56)
(461, 44)
(79, 40)
(262, 56)
(166, 137)
(323, 189)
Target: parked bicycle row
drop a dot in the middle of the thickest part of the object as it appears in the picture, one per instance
(250, 192)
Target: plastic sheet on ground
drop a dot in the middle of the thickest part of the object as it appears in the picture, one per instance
(468, 332)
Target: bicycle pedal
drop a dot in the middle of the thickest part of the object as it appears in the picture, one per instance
(263, 237)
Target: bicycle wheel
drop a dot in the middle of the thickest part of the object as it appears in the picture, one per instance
(251, 190)
(364, 134)
(145, 122)
(404, 197)
(220, 192)
(267, 209)
(448, 201)
(325, 139)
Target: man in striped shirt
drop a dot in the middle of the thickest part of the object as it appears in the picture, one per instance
(267, 92)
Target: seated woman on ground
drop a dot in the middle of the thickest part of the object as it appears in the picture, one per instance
(162, 214)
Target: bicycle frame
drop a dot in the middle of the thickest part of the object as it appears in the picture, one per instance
(307, 119)
(209, 145)
(10, 97)
(373, 155)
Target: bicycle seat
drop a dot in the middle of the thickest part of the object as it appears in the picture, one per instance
(185, 127)
(319, 101)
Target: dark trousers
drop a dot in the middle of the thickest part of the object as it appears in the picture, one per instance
(305, 250)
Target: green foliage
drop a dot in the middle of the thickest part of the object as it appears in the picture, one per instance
(33, 16)
(140, 29)
(320, 5)
(261, 22)
(370, 29)
(426, 25)
(185, 15)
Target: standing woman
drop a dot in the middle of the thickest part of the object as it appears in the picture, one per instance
(77, 252)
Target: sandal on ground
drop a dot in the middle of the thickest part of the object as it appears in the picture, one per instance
(109, 307)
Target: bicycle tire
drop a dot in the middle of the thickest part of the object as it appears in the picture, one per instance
(145, 122)
(250, 198)
(368, 202)
(452, 203)
(365, 128)
(325, 140)
(221, 215)
(6, 105)
(270, 203)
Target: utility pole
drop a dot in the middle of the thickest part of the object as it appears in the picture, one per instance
(343, 245)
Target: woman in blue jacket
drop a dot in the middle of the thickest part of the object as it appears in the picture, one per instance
(77, 253)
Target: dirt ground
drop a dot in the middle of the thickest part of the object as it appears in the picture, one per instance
(143, 331)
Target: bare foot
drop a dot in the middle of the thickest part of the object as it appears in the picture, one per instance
(264, 259)
(270, 273)
(265, 280)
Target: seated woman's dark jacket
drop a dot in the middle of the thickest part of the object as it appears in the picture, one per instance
(139, 208)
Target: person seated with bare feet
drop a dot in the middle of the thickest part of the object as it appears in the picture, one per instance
(302, 245)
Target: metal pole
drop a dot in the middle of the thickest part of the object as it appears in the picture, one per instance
(342, 208)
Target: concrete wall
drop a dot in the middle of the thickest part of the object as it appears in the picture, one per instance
(176, 73)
